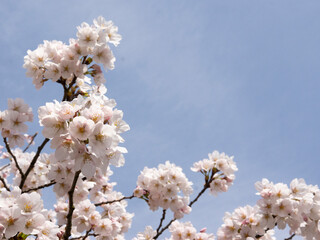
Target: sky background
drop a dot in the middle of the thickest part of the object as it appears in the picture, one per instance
(240, 77)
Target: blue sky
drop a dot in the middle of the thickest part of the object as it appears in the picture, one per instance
(192, 77)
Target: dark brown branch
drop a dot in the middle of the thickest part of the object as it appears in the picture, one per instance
(289, 238)
(164, 211)
(40, 187)
(4, 184)
(85, 236)
(13, 156)
(205, 187)
(163, 229)
(32, 139)
(5, 166)
(71, 207)
(113, 201)
(33, 162)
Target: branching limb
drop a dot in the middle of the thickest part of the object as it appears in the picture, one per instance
(33, 162)
(164, 211)
(4, 167)
(205, 187)
(13, 156)
(40, 187)
(71, 207)
(32, 139)
(4, 184)
(164, 228)
(291, 237)
(113, 201)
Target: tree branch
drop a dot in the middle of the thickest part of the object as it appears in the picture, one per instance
(5, 166)
(33, 162)
(205, 187)
(289, 238)
(40, 187)
(164, 228)
(164, 211)
(113, 201)
(13, 156)
(71, 207)
(32, 139)
(4, 184)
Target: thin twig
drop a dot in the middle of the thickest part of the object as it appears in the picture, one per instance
(71, 207)
(164, 228)
(164, 211)
(33, 162)
(85, 236)
(5, 166)
(205, 187)
(32, 139)
(113, 201)
(40, 187)
(4, 184)
(289, 238)
(13, 156)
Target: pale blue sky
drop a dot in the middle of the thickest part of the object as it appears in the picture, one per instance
(192, 77)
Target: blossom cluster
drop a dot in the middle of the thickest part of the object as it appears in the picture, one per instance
(109, 222)
(58, 61)
(179, 231)
(25, 213)
(160, 187)
(296, 206)
(85, 133)
(218, 170)
(186, 231)
(12, 122)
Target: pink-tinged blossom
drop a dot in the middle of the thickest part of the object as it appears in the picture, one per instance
(102, 138)
(108, 32)
(67, 68)
(81, 128)
(163, 185)
(52, 71)
(12, 220)
(104, 227)
(32, 223)
(48, 231)
(103, 54)
(65, 111)
(16, 122)
(186, 231)
(53, 126)
(148, 234)
(87, 35)
(30, 203)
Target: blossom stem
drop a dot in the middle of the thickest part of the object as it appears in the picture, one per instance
(40, 187)
(164, 211)
(71, 207)
(291, 237)
(164, 228)
(4, 184)
(32, 139)
(14, 157)
(205, 187)
(4, 167)
(33, 162)
(113, 201)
